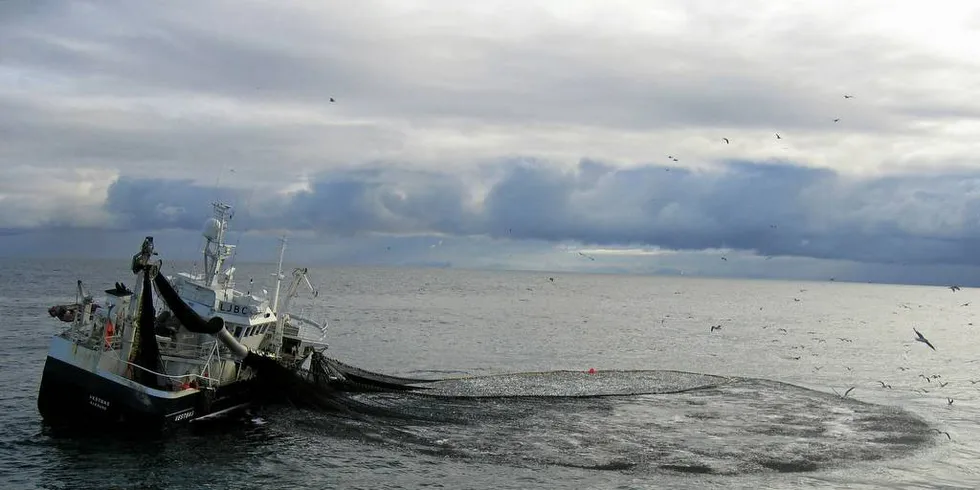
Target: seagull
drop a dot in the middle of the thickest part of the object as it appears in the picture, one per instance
(726, 140)
(778, 137)
(922, 339)
(837, 120)
(943, 432)
(586, 256)
(331, 99)
(949, 401)
(954, 288)
(715, 327)
(883, 385)
(845, 393)
(925, 378)
(848, 96)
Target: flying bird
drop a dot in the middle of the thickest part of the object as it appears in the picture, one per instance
(837, 120)
(778, 137)
(331, 99)
(954, 288)
(883, 385)
(943, 432)
(715, 327)
(921, 338)
(845, 393)
(726, 140)
(848, 96)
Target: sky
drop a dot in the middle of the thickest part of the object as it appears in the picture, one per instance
(553, 135)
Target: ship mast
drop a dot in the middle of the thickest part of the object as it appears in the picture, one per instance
(216, 250)
(279, 276)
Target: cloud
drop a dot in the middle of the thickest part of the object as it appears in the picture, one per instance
(127, 116)
(33, 197)
(769, 209)
(163, 89)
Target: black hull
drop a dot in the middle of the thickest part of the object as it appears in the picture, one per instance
(74, 398)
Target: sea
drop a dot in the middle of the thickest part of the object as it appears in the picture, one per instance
(561, 381)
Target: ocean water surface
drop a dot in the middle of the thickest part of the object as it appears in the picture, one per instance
(670, 404)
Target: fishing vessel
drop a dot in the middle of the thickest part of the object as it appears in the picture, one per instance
(192, 355)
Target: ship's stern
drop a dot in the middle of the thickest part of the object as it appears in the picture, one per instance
(76, 392)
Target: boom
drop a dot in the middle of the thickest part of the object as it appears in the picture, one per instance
(299, 276)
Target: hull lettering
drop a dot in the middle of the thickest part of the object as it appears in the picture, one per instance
(234, 309)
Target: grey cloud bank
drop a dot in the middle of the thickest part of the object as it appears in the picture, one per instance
(770, 209)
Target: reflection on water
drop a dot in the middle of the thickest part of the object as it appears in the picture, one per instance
(118, 460)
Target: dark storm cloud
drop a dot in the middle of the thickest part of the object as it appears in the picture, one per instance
(774, 209)
(383, 200)
(159, 204)
(368, 200)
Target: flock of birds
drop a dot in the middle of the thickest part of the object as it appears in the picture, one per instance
(778, 137)
(918, 337)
